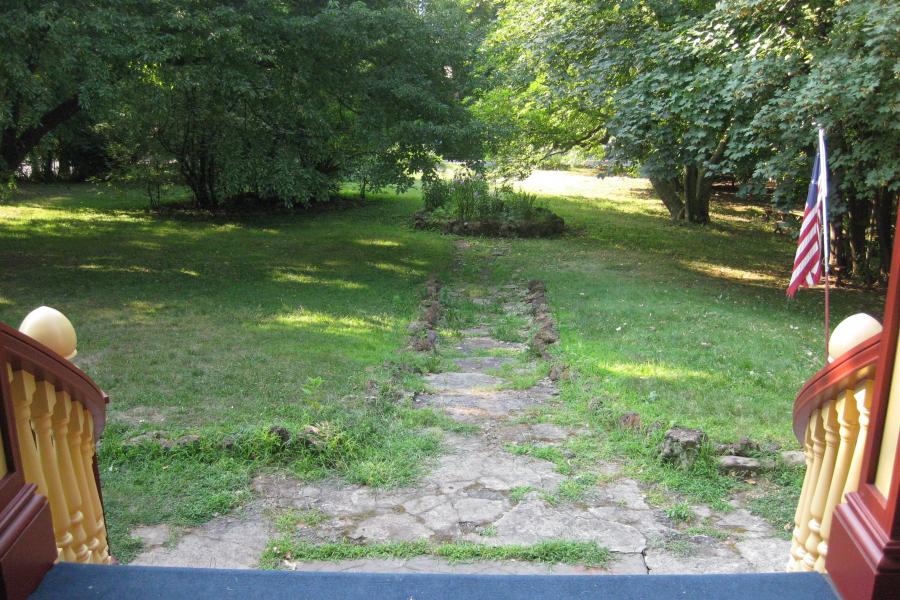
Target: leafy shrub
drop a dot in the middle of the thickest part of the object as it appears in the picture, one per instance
(436, 193)
(468, 205)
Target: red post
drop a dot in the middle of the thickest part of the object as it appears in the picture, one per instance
(864, 549)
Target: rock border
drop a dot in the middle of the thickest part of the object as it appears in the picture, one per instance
(423, 331)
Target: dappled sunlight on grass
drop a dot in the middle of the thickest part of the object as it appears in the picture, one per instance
(334, 324)
(399, 269)
(655, 371)
(379, 243)
(742, 275)
(180, 311)
(683, 324)
(286, 275)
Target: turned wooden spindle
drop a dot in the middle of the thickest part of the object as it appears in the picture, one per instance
(863, 398)
(823, 484)
(75, 431)
(848, 421)
(62, 411)
(87, 453)
(801, 516)
(41, 411)
(22, 386)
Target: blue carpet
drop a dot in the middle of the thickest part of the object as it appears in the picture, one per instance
(74, 582)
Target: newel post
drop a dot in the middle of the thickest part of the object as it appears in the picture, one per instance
(864, 550)
(27, 546)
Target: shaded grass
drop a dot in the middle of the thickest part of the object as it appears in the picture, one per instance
(222, 326)
(684, 325)
(550, 552)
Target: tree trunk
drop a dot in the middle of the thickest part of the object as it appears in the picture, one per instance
(686, 196)
(884, 229)
(15, 146)
(857, 222)
(840, 249)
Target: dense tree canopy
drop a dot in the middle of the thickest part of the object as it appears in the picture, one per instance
(267, 100)
(698, 90)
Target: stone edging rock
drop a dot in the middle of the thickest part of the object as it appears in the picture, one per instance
(423, 331)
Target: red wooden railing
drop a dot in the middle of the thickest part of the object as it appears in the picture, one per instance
(50, 505)
(831, 419)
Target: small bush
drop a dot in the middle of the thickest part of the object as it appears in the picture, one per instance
(468, 205)
(436, 193)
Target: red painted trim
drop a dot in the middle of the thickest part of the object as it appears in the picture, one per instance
(855, 364)
(27, 546)
(864, 547)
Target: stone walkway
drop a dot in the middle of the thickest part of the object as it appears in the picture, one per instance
(478, 491)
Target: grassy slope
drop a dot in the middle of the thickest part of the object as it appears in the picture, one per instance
(221, 326)
(684, 325)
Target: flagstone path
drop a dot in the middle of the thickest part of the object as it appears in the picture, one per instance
(478, 491)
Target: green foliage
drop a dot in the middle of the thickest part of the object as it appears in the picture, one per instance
(552, 552)
(680, 513)
(265, 102)
(58, 58)
(696, 91)
(469, 197)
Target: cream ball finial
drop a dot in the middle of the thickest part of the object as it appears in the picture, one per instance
(852, 331)
(51, 328)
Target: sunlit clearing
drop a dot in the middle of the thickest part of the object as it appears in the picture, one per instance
(557, 183)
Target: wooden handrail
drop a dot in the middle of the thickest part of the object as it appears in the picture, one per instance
(831, 419)
(23, 352)
(856, 364)
(56, 413)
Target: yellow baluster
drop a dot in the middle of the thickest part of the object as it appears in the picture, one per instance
(22, 385)
(87, 453)
(62, 410)
(823, 485)
(801, 517)
(75, 429)
(41, 411)
(848, 420)
(863, 398)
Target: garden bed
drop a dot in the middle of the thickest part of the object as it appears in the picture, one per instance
(468, 206)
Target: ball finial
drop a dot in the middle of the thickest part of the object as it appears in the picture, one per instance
(852, 331)
(51, 328)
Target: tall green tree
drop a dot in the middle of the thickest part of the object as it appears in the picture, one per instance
(59, 58)
(279, 102)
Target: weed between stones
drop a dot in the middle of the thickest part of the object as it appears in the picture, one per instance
(551, 552)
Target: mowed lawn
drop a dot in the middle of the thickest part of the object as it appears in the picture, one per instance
(192, 321)
(683, 324)
(226, 326)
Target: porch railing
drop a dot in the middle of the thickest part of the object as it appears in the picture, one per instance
(58, 413)
(831, 421)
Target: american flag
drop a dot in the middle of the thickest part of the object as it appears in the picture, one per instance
(808, 260)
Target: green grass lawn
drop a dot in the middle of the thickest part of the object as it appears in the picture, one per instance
(684, 325)
(225, 326)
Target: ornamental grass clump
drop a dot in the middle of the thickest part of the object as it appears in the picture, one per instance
(468, 205)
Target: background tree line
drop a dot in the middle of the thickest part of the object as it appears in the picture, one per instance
(278, 101)
(696, 91)
(263, 101)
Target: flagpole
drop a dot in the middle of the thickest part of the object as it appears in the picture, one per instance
(826, 237)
